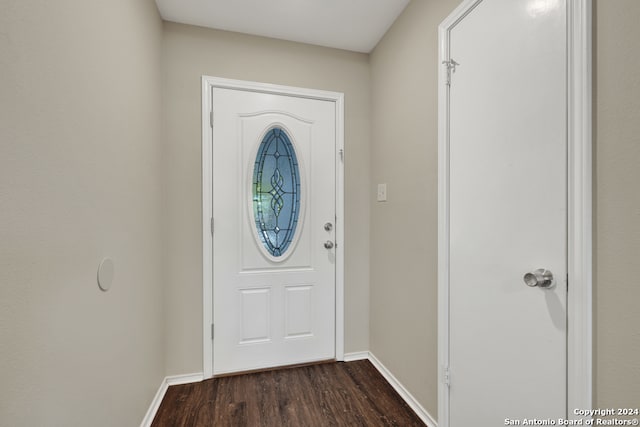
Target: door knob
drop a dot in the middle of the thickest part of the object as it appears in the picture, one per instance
(328, 244)
(541, 278)
(328, 226)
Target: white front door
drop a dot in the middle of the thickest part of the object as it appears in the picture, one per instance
(507, 213)
(274, 211)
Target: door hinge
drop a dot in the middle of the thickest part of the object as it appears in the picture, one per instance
(341, 152)
(212, 331)
(451, 68)
(446, 376)
(212, 226)
(211, 118)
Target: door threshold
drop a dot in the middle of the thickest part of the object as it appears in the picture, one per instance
(275, 368)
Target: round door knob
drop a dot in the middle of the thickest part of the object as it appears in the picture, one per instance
(541, 278)
(328, 244)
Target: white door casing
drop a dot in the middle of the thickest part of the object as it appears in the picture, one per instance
(490, 142)
(270, 310)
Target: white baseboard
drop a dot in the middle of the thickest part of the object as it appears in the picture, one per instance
(348, 357)
(185, 379)
(155, 404)
(403, 392)
(358, 355)
(157, 399)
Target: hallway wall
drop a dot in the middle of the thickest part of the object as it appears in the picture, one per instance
(616, 203)
(79, 180)
(189, 53)
(404, 230)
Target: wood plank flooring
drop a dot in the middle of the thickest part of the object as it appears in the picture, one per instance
(329, 394)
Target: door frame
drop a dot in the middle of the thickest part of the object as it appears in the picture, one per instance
(579, 203)
(208, 83)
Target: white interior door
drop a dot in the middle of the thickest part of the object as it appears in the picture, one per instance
(507, 213)
(274, 210)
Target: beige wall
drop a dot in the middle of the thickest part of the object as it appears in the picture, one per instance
(189, 53)
(79, 180)
(617, 203)
(403, 230)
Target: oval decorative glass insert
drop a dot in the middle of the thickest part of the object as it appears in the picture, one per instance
(276, 192)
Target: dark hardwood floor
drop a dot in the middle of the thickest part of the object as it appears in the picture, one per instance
(329, 394)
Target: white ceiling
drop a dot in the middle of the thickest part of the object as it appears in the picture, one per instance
(356, 25)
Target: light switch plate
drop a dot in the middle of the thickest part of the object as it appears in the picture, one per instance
(382, 192)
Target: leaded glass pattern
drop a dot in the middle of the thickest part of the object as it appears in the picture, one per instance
(276, 191)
